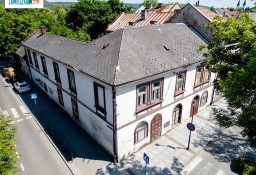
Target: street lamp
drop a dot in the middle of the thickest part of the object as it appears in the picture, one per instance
(190, 126)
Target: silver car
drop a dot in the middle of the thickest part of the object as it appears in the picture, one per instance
(22, 86)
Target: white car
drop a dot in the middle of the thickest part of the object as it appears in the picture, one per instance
(22, 86)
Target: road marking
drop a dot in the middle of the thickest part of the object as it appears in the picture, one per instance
(5, 112)
(15, 113)
(192, 165)
(28, 117)
(12, 122)
(17, 154)
(220, 172)
(205, 170)
(22, 167)
(23, 110)
(20, 120)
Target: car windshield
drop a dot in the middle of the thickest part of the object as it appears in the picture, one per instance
(23, 85)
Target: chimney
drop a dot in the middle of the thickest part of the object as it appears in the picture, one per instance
(43, 30)
(143, 14)
(159, 5)
(152, 22)
(198, 3)
(132, 23)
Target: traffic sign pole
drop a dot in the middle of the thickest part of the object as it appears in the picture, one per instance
(146, 169)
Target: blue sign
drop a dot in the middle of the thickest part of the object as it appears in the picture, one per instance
(146, 158)
(33, 96)
(191, 127)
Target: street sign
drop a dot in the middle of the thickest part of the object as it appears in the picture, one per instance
(33, 96)
(191, 127)
(146, 158)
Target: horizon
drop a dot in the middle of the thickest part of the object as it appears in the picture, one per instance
(209, 3)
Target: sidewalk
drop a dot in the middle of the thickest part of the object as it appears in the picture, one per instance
(168, 154)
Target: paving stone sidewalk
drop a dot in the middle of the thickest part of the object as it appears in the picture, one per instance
(168, 154)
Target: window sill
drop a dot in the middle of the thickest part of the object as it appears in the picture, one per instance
(138, 110)
(178, 93)
(199, 84)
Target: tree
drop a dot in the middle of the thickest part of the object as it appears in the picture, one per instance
(232, 55)
(93, 16)
(8, 156)
(150, 2)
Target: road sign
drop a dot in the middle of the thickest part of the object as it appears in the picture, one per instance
(146, 158)
(191, 127)
(33, 96)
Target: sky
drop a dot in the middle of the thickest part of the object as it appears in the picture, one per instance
(214, 3)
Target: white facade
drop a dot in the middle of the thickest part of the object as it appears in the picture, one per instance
(127, 119)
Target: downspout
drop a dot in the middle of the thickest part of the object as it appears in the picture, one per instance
(114, 124)
(213, 90)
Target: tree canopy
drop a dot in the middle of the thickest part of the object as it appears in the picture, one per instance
(8, 155)
(232, 55)
(93, 16)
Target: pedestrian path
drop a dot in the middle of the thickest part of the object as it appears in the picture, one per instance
(18, 114)
(169, 154)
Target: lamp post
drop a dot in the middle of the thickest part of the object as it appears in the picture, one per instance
(193, 128)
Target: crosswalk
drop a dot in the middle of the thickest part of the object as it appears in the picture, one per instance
(18, 114)
(206, 168)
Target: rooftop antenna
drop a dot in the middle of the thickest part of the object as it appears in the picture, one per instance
(244, 4)
(238, 4)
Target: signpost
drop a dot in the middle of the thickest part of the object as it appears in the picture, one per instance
(34, 97)
(191, 127)
(146, 158)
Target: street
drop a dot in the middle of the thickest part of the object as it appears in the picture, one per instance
(35, 152)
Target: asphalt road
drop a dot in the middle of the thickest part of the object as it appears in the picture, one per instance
(36, 155)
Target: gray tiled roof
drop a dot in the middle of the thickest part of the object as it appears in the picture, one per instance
(133, 52)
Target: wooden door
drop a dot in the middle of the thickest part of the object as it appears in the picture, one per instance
(194, 106)
(156, 127)
(176, 115)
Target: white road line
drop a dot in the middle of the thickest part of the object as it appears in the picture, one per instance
(220, 172)
(191, 166)
(23, 110)
(5, 112)
(22, 167)
(205, 170)
(12, 122)
(20, 120)
(17, 154)
(15, 113)
(28, 117)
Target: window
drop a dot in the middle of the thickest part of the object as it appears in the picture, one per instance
(56, 72)
(75, 108)
(149, 93)
(180, 83)
(141, 132)
(142, 96)
(71, 80)
(204, 98)
(59, 91)
(99, 95)
(35, 60)
(176, 115)
(44, 66)
(29, 57)
(202, 75)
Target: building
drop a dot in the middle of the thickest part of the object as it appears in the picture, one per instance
(127, 88)
(144, 16)
(225, 12)
(197, 18)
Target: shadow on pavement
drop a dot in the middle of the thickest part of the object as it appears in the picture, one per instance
(68, 136)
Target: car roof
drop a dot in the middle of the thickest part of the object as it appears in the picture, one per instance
(251, 154)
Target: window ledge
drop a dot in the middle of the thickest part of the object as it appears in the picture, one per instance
(138, 110)
(178, 93)
(199, 84)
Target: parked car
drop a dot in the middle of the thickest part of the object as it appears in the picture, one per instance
(246, 158)
(249, 156)
(22, 86)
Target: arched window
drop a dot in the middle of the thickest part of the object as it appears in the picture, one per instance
(176, 115)
(204, 98)
(141, 132)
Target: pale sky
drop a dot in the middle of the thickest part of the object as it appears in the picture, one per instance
(214, 3)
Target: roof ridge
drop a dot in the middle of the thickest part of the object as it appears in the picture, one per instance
(114, 83)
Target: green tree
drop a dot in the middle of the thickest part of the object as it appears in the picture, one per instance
(150, 2)
(93, 16)
(8, 156)
(232, 54)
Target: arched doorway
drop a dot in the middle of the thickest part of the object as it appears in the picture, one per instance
(176, 114)
(156, 127)
(194, 106)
